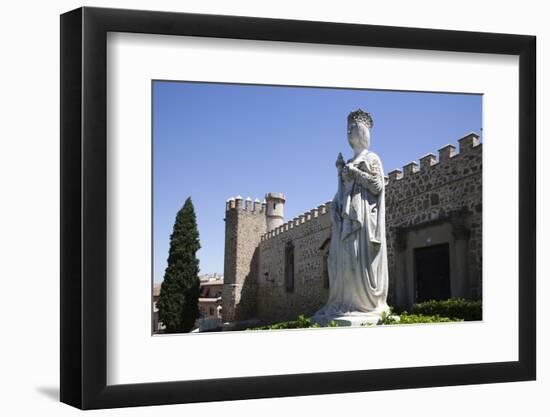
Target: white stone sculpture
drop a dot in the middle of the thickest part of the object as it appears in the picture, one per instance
(357, 261)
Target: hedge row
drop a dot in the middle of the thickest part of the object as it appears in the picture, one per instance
(454, 308)
(406, 318)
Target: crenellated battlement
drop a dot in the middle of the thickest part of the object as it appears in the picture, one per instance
(255, 207)
(447, 154)
(298, 221)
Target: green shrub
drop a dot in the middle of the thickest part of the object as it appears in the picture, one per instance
(387, 318)
(301, 323)
(406, 318)
(454, 308)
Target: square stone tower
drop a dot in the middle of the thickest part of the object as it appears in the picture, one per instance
(244, 227)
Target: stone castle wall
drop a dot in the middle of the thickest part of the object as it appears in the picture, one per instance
(438, 192)
(440, 198)
(308, 234)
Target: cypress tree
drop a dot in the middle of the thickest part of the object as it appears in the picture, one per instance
(178, 301)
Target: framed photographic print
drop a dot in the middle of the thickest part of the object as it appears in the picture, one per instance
(257, 208)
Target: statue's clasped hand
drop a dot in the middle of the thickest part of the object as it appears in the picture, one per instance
(340, 162)
(349, 172)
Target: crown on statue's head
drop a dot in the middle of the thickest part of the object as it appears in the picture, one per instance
(360, 116)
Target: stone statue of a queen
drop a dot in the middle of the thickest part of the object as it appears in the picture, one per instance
(357, 261)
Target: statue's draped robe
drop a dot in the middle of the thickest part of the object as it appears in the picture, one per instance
(357, 261)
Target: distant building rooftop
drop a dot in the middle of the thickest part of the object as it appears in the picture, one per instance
(156, 289)
(207, 283)
(209, 300)
(210, 277)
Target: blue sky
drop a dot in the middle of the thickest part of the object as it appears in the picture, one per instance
(213, 141)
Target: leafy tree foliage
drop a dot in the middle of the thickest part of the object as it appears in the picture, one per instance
(179, 296)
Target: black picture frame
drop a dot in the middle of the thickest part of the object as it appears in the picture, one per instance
(84, 207)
